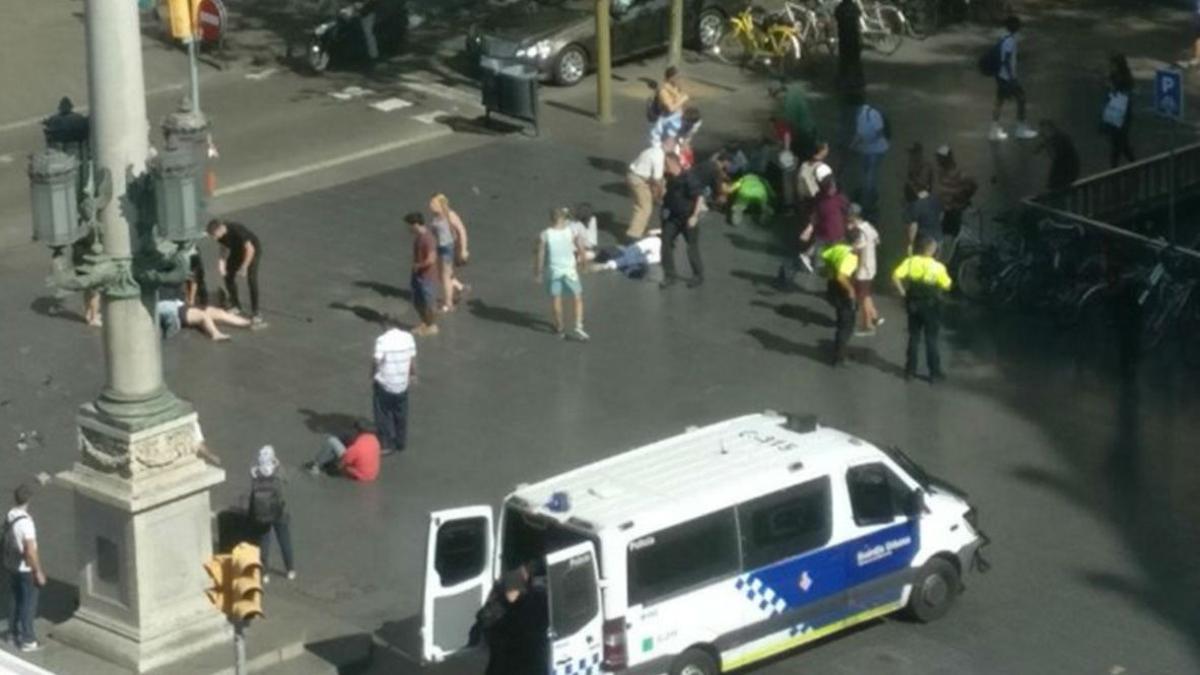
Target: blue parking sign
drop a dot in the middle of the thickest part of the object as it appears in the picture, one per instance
(1168, 93)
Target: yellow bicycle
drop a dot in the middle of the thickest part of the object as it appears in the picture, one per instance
(754, 36)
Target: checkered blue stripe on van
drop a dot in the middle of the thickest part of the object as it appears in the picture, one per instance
(585, 666)
(760, 594)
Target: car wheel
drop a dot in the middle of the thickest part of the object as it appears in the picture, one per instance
(934, 589)
(570, 66)
(709, 28)
(694, 662)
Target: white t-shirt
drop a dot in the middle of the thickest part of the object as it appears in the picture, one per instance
(866, 254)
(23, 531)
(809, 177)
(869, 138)
(394, 354)
(649, 164)
(1008, 58)
(586, 234)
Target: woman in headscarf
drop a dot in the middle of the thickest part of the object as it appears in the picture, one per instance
(268, 510)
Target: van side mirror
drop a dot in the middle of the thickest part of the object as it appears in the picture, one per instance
(914, 505)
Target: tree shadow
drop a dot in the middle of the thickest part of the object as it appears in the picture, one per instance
(53, 308)
(805, 315)
(512, 317)
(328, 424)
(567, 107)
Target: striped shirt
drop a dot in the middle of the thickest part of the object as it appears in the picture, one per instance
(394, 354)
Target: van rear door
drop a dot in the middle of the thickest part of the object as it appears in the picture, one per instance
(458, 578)
(576, 622)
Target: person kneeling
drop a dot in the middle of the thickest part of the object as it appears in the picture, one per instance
(356, 457)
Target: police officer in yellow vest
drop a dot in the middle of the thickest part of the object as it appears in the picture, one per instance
(839, 263)
(922, 282)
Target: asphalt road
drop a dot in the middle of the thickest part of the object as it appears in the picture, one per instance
(1086, 483)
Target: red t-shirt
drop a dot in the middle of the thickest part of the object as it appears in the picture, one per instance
(424, 246)
(829, 217)
(361, 461)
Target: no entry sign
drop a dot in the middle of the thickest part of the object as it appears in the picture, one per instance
(210, 20)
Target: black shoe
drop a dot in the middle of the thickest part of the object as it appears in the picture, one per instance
(695, 282)
(668, 282)
(934, 378)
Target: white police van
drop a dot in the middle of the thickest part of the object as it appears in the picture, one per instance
(710, 550)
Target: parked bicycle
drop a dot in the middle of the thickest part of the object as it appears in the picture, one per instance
(755, 36)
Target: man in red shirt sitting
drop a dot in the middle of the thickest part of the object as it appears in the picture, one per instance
(356, 458)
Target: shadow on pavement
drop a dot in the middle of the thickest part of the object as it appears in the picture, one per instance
(741, 241)
(615, 166)
(805, 315)
(512, 317)
(368, 314)
(590, 114)
(328, 424)
(53, 308)
(386, 290)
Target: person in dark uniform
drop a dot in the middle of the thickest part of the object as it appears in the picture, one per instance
(840, 264)
(682, 206)
(514, 622)
(923, 281)
(241, 253)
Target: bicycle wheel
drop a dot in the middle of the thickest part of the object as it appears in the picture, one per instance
(788, 61)
(1083, 303)
(732, 48)
(972, 277)
(893, 26)
(924, 18)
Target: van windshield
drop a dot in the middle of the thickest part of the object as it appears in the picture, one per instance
(529, 537)
(908, 465)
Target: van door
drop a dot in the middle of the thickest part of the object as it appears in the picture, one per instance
(458, 578)
(576, 622)
(885, 538)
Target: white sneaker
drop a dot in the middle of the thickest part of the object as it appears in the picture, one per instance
(581, 335)
(31, 646)
(266, 579)
(1024, 133)
(291, 575)
(806, 260)
(997, 133)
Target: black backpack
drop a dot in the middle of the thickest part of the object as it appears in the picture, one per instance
(266, 502)
(990, 61)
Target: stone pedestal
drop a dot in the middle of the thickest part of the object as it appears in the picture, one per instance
(143, 531)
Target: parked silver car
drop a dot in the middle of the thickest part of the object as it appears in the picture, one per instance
(559, 36)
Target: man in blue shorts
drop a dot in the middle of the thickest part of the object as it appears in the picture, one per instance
(424, 273)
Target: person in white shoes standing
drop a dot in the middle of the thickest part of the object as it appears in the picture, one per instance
(1008, 86)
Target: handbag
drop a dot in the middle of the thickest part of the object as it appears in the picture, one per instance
(1115, 109)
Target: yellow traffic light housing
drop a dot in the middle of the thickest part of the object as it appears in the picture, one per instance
(181, 16)
(245, 589)
(218, 571)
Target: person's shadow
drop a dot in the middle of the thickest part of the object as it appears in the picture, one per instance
(805, 315)
(328, 424)
(53, 308)
(513, 317)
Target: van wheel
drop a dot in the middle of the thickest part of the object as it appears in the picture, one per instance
(694, 662)
(936, 586)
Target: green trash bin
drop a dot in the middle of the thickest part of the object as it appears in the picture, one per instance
(510, 89)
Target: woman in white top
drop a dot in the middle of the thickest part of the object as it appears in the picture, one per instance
(868, 316)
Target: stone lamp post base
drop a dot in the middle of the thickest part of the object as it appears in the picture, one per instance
(143, 526)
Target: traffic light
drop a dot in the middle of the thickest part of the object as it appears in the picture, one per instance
(218, 571)
(245, 587)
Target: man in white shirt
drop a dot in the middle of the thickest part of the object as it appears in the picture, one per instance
(1009, 86)
(24, 567)
(395, 367)
(645, 181)
(871, 142)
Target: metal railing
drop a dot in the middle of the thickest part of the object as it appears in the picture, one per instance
(1100, 200)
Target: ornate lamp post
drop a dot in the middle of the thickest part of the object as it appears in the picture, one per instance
(142, 512)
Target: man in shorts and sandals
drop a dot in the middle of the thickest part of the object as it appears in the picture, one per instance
(424, 274)
(864, 274)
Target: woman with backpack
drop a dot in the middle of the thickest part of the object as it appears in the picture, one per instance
(268, 511)
(1117, 115)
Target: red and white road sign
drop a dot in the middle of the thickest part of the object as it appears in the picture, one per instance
(210, 20)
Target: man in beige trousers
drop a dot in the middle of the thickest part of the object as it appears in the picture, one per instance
(645, 180)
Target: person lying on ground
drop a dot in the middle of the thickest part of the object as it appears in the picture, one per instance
(174, 315)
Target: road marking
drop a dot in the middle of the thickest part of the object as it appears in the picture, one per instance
(350, 92)
(11, 664)
(390, 104)
(81, 109)
(321, 166)
(430, 117)
(442, 91)
(262, 74)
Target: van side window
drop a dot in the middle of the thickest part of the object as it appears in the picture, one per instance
(876, 494)
(573, 595)
(683, 556)
(786, 523)
(461, 550)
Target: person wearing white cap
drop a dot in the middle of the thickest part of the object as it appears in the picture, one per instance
(268, 510)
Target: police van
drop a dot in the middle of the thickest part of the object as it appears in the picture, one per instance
(710, 550)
